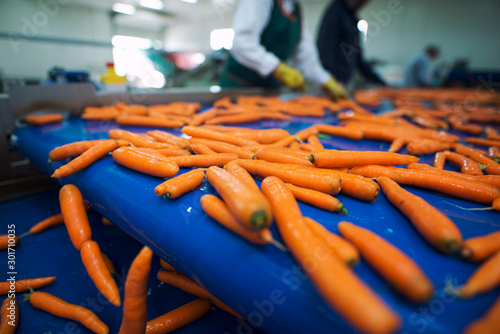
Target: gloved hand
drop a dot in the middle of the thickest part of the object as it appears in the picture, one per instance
(289, 76)
(335, 90)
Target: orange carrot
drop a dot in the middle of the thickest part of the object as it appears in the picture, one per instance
(357, 186)
(137, 139)
(167, 138)
(304, 133)
(249, 207)
(314, 141)
(109, 264)
(273, 155)
(267, 136)
(199, 132)
(137, 120)
(173, 152)
(60, 308)
(24, 284)
(399, 270)
(317, 199)
(106, 221)
(342, 248)
(284, 142)
(439, 160)
(181, 184)
(448, 184)
(182, 282)
(77, 148)
(43, 119)
(479, 248)
(482, 141)
(467, 166)
(334, 158)
(478, 157)
(135, 300)
(346, 294)
(86, 159)
(397, 144)
(488, 323)
(146, 162)
(222, 147)
(166, 265)
(75, 217)
(204, 161)
(203, 116)
(99, 273)
(218, 211)
(47, 223)
(491, 133)
(302, 177)
(9, 312)
(339, 131)
(423, 146)
(484, 279)
(201, 148)
(179, 317)
(241, 173)
(235, 119)
(6, 241)
(432, 224)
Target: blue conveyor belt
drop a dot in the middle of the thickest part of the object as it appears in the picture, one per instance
(261, 282)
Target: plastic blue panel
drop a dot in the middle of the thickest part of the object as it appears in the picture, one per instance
(263, 283)
(51, 253)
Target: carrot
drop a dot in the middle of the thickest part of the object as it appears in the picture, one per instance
(201, 148)
(173, 152)
(267, 136)
(135, 300)
(166, 265)
(203, 116)
(492, 167)
(317, 199)
(147, 163)
(181, 184)
(204, 161)
(241, 173)
(482, 141)
(199, 132)
(423, 146)
(248, 206)
(484, 279)
(47, 223)
(6, 241)
(273, 155)
(301, 177)
(399, 270)
(109, 264)
(467, 166)
(218, 211)
(9, 312)
(106, 221)
(357, 186)
(334, 158)
(60, 308)
(137, 139)
(179, 317)
(235, 119)
(77, 148)
(397, 144)
(24, 284)
(447, 184)
(43, 119)
(304, 133)
(340, 131)
(439, 160)
(284, 142)
(222, 147)
(479, 248)
(342, 248)
(290, 151)
(491, 133)
(494, 153)
(167, 138)
(314, 141)
(137, 120)
(86, 159)
(489, 323)
(433, 225)
(75, 217)
(182, 282)
(99, 273)
(346, 294)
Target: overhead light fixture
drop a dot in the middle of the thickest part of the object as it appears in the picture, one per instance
(153, 4)
(190, 1)
(124, 8)
(125, 42)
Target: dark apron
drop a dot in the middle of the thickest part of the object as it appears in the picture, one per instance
(280, 37)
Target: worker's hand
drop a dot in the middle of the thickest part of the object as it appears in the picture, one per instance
(335, 90)
(289, 76)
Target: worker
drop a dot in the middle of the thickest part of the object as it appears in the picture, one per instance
(339, 43)
(267, 34)
(418, 70)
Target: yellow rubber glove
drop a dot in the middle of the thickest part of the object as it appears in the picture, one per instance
(289, 76)
(335, 90)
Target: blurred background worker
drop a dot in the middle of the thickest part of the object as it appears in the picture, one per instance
(418, 71)
(339, 43)
(268, 33)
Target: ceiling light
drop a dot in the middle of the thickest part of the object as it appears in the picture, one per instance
(124, 8)
(190, 1)
(153, 4)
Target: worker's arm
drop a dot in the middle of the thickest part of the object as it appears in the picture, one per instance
(368, 72)
(250, 19)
